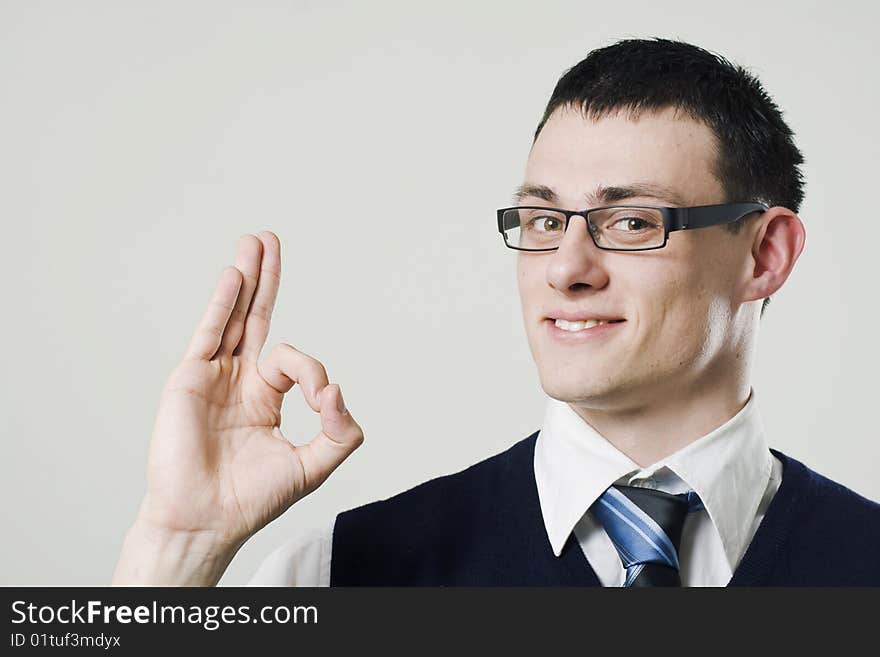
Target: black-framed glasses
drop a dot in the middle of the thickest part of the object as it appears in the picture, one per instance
(613, 227)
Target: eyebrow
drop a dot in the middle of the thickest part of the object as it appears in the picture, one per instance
(603, 195)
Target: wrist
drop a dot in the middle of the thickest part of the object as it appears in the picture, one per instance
(157, 556)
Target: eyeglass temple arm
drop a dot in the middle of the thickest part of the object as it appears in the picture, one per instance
(702, 216)
(504, 225)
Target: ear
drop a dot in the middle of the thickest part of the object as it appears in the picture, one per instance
(777, 243)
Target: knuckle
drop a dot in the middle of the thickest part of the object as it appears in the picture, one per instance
(312, 364)
(261, 311)
(319, 368)
(222, 307)
(306, 366)
(282, 348)
(213, 330)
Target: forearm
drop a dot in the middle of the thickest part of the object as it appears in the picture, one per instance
(152, 557)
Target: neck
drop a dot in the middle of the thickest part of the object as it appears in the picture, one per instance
(649, 432)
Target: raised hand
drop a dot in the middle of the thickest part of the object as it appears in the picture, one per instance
(219, 468)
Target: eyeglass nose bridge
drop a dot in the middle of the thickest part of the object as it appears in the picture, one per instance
(569, 214)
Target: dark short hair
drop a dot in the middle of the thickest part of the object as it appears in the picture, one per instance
(757, 158)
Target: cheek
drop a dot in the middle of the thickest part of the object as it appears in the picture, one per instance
(680, 284)
(528, 280)
(671, 305)
(685, 323)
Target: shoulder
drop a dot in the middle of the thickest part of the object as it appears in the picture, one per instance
(831, 533)
(827, 496)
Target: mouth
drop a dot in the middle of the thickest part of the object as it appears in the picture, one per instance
(577, 331)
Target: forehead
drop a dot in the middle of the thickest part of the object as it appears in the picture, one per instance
(575, 155)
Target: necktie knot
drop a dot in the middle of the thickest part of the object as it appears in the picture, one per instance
(645, 526)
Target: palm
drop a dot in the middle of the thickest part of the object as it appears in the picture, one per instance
(224, 465)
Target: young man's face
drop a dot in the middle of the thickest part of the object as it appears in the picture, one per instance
(683, 327)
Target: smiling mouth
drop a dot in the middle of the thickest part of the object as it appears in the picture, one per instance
(582, 325)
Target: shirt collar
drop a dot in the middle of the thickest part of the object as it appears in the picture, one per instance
(728, 468)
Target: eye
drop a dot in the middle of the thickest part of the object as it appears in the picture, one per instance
(632, 224)
(546, 224)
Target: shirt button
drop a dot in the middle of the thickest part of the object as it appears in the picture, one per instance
(650, 483)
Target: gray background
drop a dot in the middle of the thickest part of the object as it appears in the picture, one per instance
(139, 140)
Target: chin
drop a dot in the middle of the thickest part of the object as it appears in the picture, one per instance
(610, 391)
(578, 392)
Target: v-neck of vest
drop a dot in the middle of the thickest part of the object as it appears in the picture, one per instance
(773, 534)
(760, 557)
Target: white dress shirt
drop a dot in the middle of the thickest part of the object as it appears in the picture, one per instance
(730, 468)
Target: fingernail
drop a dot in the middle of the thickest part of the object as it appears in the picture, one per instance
(340, 405)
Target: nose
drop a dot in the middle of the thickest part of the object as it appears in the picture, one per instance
(577, 261)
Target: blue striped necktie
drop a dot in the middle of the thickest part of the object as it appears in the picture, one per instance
(645, 526)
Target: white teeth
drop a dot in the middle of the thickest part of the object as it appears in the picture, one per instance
(565, 325)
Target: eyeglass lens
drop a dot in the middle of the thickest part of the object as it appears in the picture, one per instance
(612, 228)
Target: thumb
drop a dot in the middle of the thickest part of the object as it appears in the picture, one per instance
(340, 435)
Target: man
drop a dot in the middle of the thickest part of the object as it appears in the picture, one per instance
(656, 218)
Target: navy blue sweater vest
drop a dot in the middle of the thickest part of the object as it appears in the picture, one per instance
(483, 527)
